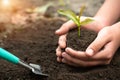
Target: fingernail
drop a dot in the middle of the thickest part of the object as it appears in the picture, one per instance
(57, 31)
(67, 49)
(90, 52)
(63, 54)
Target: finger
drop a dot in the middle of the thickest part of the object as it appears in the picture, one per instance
(65, 28)
(107, 52)
(58, 52)
(59, 59)
(77, 62)
(101, 55)
(98, 43)
(76, 54)
(62, 41)
(69, 63)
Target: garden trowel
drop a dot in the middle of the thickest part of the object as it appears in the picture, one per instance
(15, 60)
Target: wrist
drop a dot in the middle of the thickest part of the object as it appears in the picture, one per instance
(102, 22)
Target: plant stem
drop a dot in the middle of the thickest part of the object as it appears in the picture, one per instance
(78, 31)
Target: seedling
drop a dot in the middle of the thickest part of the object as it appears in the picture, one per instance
(76, 19)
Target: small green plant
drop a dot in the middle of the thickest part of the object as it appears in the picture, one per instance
(76, 19)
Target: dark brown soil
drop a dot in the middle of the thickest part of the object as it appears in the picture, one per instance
(37, 44)
(80, 42)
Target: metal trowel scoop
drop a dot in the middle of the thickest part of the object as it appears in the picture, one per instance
(15, 60)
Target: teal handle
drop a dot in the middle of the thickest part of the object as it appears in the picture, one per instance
(8, 56)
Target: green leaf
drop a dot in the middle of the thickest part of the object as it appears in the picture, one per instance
(79, 31)
(86, 21)
(71, 15)
(81, 10)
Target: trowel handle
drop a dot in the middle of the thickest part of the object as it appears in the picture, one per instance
(8, 56)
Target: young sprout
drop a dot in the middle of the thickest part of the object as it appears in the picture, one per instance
(76, 19)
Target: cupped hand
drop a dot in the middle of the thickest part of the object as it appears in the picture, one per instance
(66, 27)
(99, 52)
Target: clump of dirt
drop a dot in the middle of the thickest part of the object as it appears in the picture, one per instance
(80, 42)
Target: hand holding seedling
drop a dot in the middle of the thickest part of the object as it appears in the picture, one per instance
(103, 48)
(71, 56)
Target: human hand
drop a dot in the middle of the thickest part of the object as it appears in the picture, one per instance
(100, 52)
(62, 32)
(105, 45)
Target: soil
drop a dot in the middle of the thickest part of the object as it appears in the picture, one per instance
(80, 42)
(37, 43)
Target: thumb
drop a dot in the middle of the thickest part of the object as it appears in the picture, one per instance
(65, 28)
(97, 44)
